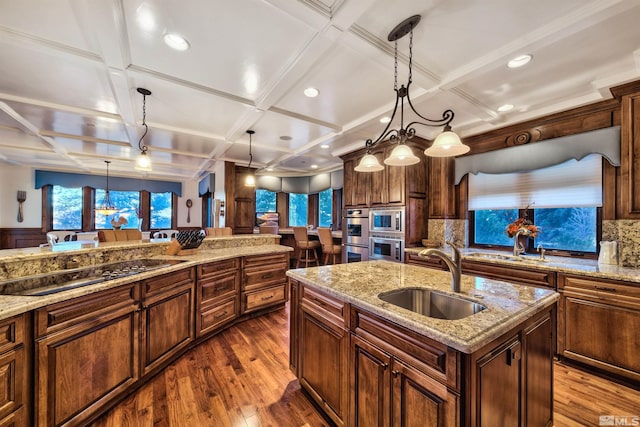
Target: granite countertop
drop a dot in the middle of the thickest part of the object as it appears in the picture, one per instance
(582, 267)
(11, 305)
(360, 283)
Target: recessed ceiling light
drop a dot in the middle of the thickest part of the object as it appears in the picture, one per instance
(314, 166)
(519, 61)
(505, 107)
(286, 138)
(324, 146)
(311, 92)
(385, 119)
(269, 169)
(176, 41)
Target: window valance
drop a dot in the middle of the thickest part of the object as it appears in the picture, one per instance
(74, 180)
(543, 154)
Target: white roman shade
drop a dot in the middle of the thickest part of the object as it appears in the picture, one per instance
(569, 184)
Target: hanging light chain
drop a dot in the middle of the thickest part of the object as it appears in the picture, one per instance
(410, 54)
(395, 69)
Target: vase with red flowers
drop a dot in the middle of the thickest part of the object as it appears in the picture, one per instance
(525, 227)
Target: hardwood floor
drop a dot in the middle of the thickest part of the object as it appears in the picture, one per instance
(241, 377)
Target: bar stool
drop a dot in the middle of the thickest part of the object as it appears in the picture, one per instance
(328, 247)
(306, 246)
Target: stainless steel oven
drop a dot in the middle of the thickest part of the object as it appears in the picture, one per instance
(386, 248)
(355, 226)
(386, 220)
(353, 253)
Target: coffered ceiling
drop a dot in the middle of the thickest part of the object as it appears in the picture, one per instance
(70, 68)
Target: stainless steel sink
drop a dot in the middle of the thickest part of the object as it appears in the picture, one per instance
(485, 255)
(432, 303)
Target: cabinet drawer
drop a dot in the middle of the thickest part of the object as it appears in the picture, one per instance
(257, 278)
(264, 297)
(429, 262)
(62, 315)
(272, 261)
(221, 285)
(608, 291)
(12, 333)
(215, 315)
(328, 307)
(214, 269)
(429, 356)
(517, 275)
(166, 282)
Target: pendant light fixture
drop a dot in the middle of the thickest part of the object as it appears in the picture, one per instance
(143, 161)
(250, 180)
(446, 144)
(107, 207)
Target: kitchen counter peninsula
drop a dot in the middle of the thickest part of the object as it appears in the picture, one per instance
(477, 370)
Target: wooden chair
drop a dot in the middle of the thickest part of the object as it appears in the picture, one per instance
(218, 231)
(119, 235)
(268, 229)
(328, 247)
(305, 247)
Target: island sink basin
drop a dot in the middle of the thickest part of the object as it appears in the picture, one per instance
(432, 303)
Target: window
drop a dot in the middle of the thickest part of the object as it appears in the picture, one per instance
(67, 208)
(298, 209)
(127, 203)
(565, 200)
(161, 210)
(325, 218)
(265, 201)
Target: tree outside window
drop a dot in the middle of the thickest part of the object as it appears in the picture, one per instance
(265, 201)
(325, 208)
(67, 208)
(161, 210)
(298, 209)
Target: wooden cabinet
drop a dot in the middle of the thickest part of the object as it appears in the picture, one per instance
(357, 185)
(511, 378)
(217, 296)
(167, 317)
(323, 352)
(598, 324)
(86, 352)
(294, 304)
(14, 371)
(264, 281)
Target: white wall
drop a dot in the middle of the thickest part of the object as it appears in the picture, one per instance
(190, 191)
(13, 179)
(219, 192)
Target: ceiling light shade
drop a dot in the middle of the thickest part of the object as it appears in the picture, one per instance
(311, 92)
(250, 180)
(447, 144)
(519, 61)
(107, 207)
(369, 163)
(143, 161)
(401, 156)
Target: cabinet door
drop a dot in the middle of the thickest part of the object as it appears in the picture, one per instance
(14, 369)
(167, 317)
(419, 400)
(370, 385)
(293, 325)
(539, 350)
(379, 194)
(80, 368)
(498, 379)
(323, 364)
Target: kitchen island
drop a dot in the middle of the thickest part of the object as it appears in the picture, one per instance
(365, 361)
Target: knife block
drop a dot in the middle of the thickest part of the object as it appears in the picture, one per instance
(174, 248)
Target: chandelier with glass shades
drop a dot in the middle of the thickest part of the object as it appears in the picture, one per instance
(107, 207)
(446, 144)
(143, 161)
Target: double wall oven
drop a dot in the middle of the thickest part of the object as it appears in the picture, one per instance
(355, 241)
(373, 234)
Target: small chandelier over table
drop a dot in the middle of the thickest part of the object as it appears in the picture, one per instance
(107, 207)
(446, 144)
(250, 180)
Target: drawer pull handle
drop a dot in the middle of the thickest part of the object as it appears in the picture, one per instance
(221, 288)
(224, 313)
(606, 289)
(266, 298)
(267, 276)
(385, 366)
(320, 302)
(395, 373)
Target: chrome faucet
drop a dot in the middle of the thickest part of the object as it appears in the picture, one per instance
(517, 247)
(542, 251)
(455, 264)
